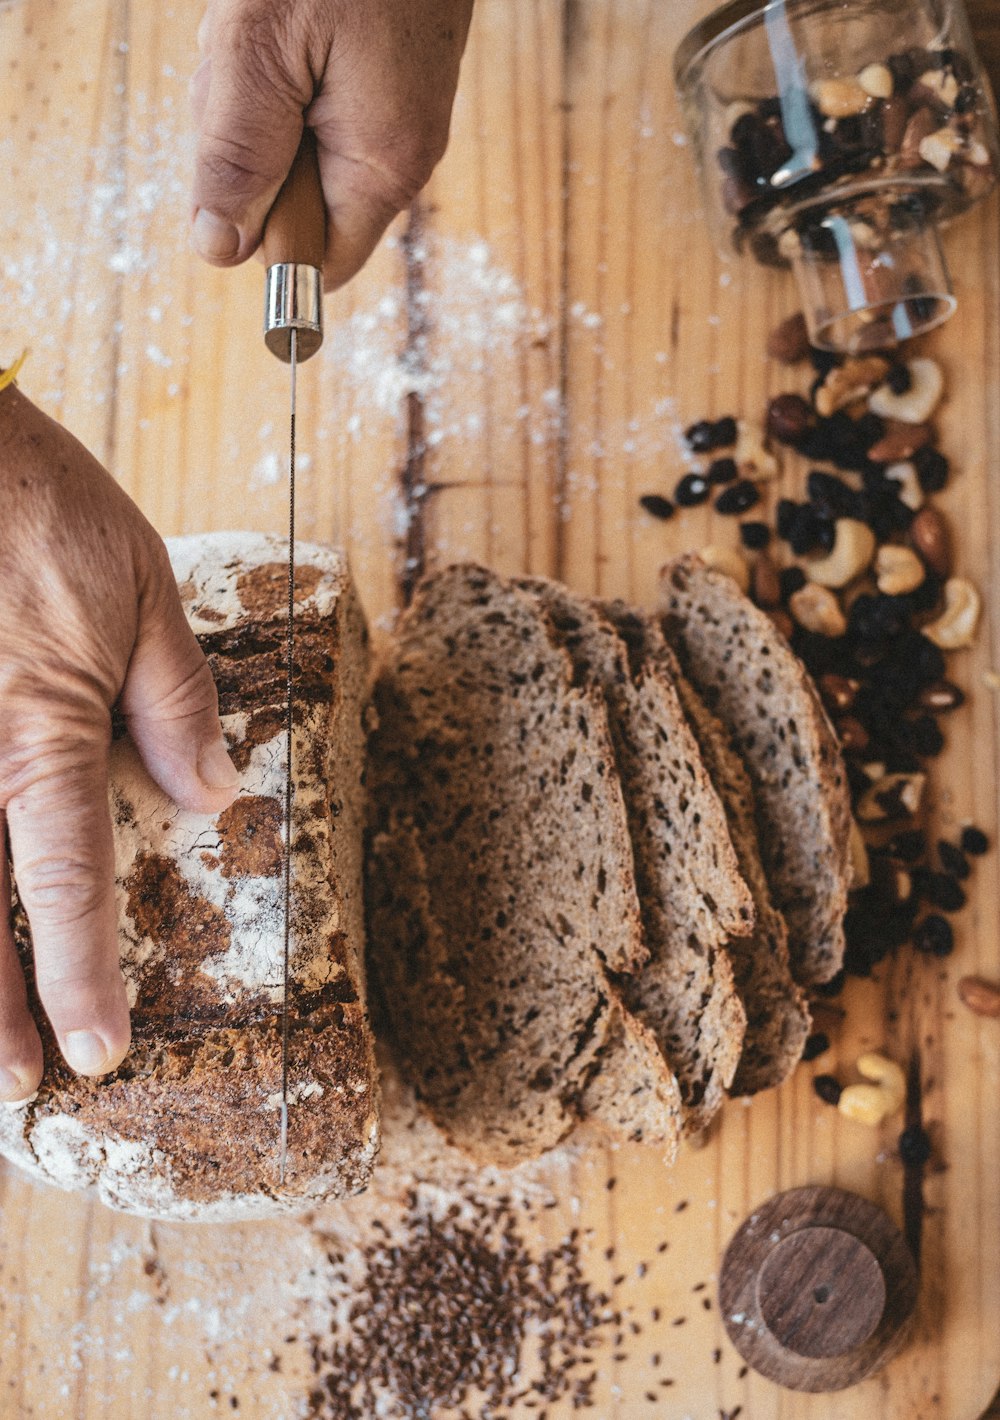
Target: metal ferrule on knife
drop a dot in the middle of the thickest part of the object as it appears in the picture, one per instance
(293, 300)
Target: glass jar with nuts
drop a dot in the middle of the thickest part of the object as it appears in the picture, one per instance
(836, 137)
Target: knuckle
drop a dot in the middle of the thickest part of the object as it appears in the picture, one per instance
(231, 161)
(49, 763)
(61, 890)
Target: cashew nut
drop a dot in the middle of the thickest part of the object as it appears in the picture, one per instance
(853, 550)
(891, 796)
(839, 98)
(942, 84)
(956, 627)
(870, 1104)
(753, 458)
(728, 560)
(852, 380)
(898, 570)
(919, 402)
(939, 148)
(816, 609)
(877, 81)
(910, 492)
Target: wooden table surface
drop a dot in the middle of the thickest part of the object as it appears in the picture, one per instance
(503, 382)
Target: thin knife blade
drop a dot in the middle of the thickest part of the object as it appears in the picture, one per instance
(289, 764)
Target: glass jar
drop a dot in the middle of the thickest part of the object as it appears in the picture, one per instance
(836, 137)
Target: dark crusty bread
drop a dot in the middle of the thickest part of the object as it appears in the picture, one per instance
(501, 886)
(778, 1019)
(749, 677)
(188, 1126)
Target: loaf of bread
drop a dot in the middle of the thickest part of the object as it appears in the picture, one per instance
(691, 895)
(188, 1126)
(747, 674)
(501, 882)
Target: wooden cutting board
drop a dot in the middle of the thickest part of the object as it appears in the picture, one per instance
(503, 382)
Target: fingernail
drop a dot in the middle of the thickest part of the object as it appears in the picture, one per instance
(85, 1052)
(216, 239)
(215, 769)
(11, 1085)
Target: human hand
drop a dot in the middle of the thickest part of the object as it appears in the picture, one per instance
(89, 616)
(375, 80)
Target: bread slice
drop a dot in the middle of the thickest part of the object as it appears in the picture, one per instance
(778, 1019)
(747, 674)
(188, 1126)
(690, 891)
(501, 885)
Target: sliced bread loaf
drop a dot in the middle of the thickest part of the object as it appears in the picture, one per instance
(501, 885)
(749, 677)
(778, 1019)
(690, 891)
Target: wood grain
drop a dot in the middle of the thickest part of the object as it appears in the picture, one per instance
(503, 381)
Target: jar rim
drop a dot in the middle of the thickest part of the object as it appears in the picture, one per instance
(717, 26)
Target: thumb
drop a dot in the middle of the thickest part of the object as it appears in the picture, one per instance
(250, 124)
(171, 706)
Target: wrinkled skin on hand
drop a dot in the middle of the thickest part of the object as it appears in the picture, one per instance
(374, 79)
(89, 617)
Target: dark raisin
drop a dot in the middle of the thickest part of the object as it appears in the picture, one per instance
(953, 860)
(868, 429)
(722, 471)
(792, 579)
(785, 517)
(806, 532)
(700, 436)
(833, 987)
(656, 506)
(789, 418)
(899, 379)
(739, 498)
(828, 1089)
(907, 846)
(945, 892)
(934, 936)
(932, 469)
(967, 100)
(832, 497)
(923, 736)
(724, 432)
(816, 1046)
(914, 1146)
(692, 490)
(975, 842)
(755, 536)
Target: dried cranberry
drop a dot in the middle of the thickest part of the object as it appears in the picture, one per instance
(975, 842)
(914, 1147)
(789, 418)
(755, 536)
(692, 490)
(934, 936)
(828, 1089)
(738, 498)
(953, 860)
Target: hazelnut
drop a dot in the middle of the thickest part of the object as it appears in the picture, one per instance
(892, 796)
(729, 561)
(981, 997)
(898, 570)
(919, 401)
(900, 441)
(877, 81)
(789, 341)
(929, 535)
(956, 627)
(911, 495)
(839, 98)
(849, 382)
(789, 418)
(816, 609)
(853, 549)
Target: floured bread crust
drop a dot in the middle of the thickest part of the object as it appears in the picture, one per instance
(188, 1126)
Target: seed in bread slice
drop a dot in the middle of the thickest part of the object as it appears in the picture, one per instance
(747, 674)
(501, 885)
(690, 891)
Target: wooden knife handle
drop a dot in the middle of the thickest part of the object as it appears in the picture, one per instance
(295, 230)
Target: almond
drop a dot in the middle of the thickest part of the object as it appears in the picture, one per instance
(981, 997)
(899, 442)
(789, 341)
(930, 537)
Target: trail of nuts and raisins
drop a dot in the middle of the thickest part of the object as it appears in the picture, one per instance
(859, 576)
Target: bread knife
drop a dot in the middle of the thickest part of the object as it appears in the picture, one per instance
(294, 245)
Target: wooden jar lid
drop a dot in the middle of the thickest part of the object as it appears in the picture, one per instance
(817, 1288)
